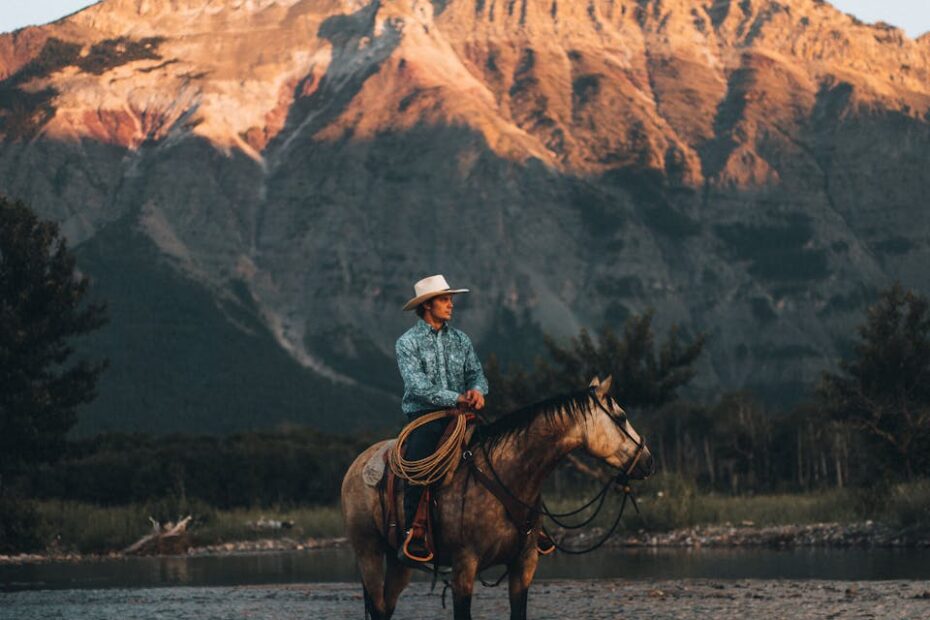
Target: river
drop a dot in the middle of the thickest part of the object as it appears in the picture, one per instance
(647, 583)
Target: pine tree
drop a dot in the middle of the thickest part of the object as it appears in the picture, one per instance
(41, 312)
(645, 376)
(883, 389)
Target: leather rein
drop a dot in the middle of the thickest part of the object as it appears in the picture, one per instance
(524, 516)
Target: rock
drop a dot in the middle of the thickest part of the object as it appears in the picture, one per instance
(749, 169)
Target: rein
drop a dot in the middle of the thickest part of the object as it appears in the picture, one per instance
(621, 481)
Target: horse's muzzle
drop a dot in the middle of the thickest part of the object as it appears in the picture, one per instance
(645, 466)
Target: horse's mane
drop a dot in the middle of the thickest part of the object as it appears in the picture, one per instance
(517, 422)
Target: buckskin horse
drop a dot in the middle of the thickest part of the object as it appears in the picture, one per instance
(475, 529)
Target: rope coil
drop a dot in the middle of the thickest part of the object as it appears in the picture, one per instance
(435, 467)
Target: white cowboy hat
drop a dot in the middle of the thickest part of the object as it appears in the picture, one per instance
(430, 287)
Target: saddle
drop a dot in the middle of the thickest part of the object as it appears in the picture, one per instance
(378, 468)
(377, 472)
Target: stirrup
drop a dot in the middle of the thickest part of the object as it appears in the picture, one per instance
(544, 544)
(405, 548)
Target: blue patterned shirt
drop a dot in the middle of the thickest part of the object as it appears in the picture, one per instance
(437, 366)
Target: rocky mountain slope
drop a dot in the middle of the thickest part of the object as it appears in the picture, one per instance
(282, 171)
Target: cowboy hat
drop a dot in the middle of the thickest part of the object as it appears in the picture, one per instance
(430, 287)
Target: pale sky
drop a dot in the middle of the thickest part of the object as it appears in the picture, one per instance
(911, 15)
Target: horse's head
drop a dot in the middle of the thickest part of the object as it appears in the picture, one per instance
(608, 434)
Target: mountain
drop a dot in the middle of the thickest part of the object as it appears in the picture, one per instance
(256, 184)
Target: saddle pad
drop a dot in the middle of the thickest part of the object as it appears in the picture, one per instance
(374, 468)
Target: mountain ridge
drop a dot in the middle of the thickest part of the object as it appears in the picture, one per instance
(750, 169)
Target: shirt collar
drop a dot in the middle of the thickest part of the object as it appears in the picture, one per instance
(426, 328)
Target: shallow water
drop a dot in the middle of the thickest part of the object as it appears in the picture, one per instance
(549, 600)
(338, 566)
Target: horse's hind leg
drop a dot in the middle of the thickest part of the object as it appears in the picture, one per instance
(396, 579)
(371, 566)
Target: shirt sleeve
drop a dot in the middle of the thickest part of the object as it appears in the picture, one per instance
(417, 383)
(474, 374)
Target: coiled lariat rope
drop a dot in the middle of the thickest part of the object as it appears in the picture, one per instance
(435, 467)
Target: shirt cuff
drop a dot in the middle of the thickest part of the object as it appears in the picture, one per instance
(447, 398)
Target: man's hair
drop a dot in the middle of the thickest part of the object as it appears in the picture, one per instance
(421, 310)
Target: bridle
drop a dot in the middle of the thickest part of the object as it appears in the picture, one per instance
(621, 424)
(526, 526)
(620, 481)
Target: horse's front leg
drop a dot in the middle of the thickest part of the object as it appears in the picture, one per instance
(464, 569)
(521, 573)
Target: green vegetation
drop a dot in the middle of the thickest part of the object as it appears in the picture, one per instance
(600, 211)
(667, 502)
(89, 528)
(670, 222)
(285, 467)
(779, 252)
(585, 88)
(670, 502)
(42, 311)
(868, 424)
(112, 53)
(882, 390)
(23, 113)
(650, 375)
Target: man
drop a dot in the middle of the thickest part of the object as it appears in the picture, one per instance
(440, 370)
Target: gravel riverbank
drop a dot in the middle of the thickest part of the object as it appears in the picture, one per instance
(836, 535)
(867, 534)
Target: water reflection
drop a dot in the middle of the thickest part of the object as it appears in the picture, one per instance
(338, 565)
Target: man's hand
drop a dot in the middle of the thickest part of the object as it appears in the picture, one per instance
(473, 399)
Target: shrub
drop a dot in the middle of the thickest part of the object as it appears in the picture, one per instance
(19, 529)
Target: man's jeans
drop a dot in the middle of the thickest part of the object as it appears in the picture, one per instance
(420, 444)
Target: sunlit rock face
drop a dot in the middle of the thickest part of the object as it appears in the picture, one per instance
(286, 169)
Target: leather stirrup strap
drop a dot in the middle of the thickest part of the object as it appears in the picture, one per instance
(420, 530)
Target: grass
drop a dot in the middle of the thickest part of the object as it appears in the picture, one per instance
(87, 528)
(226, 526)
(667, 503)
(91, 529)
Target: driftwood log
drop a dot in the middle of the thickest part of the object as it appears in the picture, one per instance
(168, 539)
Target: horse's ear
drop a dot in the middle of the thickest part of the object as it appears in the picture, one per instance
(604, 387)
(594, 382)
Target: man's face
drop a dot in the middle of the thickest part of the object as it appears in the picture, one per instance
(440, 307)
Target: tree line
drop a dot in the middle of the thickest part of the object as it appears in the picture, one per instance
(867, 422)
(284, 467)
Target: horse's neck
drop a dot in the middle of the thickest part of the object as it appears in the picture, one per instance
(524, 461)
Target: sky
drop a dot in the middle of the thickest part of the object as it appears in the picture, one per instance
(911, 15)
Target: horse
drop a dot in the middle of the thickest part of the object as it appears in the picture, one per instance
(475, 531)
